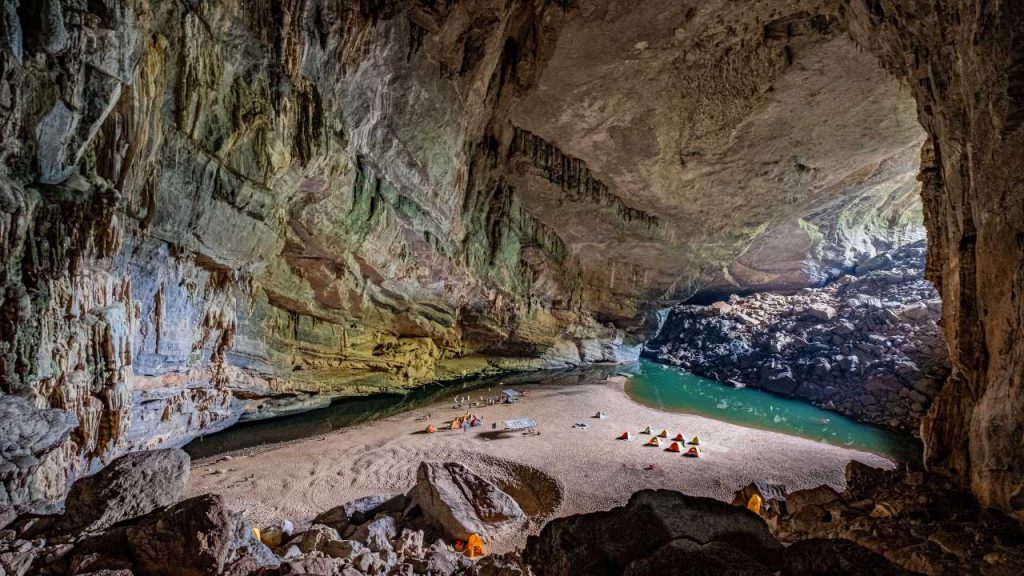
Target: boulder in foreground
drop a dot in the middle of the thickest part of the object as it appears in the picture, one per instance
(665, 533)
(130, 486)
(196, 537)
(463, 503)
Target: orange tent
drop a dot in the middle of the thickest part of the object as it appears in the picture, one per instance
(754, 504)
(654, 441)
(431, 429)
(679, 438)
(626, 436)
(693, 452)
(475, 546)
(674, 447)
(663, 434)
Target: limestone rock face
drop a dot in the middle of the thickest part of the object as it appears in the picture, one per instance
(963, 64)
(27, 435)
(463, 503)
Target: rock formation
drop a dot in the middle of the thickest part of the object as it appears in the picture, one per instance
(27, 436)
(657, 532)
(920, 521)
(665, 533)
(866, 345)
(218, 210)
(463, 503)
(963, 63)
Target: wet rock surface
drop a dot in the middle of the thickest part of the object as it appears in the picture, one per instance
(867, 345)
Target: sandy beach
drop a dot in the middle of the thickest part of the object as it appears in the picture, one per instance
(560, 472)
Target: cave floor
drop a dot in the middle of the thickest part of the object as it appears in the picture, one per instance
(570, 471)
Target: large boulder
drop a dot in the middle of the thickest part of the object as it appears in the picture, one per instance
(825, 557)
(607, 543)
(686, 558)
(463, 503)
(196, 537)
(130, 486)
(26, 435)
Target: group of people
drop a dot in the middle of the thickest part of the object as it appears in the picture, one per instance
(489, 400)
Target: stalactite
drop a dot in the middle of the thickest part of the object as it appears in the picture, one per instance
(573, 177)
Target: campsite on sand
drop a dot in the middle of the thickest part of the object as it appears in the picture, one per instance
(561, 470)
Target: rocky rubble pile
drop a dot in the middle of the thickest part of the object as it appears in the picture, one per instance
(867, 345)
(665, 533)
(130, 519)
(921, 521)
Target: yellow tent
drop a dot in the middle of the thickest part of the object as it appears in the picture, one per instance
(754, 504)
(663, 434)
(654, 441)
(475, 546)
(695, 441)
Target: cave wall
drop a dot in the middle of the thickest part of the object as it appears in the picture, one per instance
(964, 62)
(226, 210)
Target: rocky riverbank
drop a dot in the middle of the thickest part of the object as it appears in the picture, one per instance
(867, 345)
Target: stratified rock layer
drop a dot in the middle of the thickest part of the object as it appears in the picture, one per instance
(868, 346)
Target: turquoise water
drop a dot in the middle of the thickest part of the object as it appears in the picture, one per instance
(671, 389)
